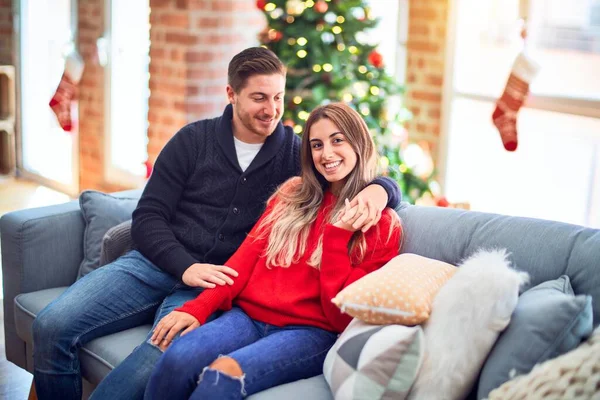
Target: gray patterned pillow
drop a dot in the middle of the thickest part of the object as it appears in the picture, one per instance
(374, 361)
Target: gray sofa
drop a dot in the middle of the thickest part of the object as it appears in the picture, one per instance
(42, 251)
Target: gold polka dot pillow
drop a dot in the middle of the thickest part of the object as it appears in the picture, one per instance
(400, 292)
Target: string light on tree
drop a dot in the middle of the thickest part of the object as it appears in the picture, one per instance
(321, 6)
(330, 57)
(295, 7)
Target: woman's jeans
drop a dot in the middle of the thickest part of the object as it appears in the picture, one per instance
(268, 355)
(126, 293)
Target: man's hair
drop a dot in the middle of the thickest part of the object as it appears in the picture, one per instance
(250, 62)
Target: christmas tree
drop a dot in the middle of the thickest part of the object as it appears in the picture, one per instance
(325, 47)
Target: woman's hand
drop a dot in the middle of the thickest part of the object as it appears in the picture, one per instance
(170, 325)
(358, 214)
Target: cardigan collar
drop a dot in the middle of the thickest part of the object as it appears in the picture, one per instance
(225, 138)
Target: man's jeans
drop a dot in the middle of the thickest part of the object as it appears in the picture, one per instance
(268, 355)
(126, 293)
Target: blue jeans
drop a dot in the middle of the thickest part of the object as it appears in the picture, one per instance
(268, 355)
(126, 293)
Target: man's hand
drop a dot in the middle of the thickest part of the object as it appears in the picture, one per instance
(170, 325)
(208, 275)
(365, 209)
(349, 215)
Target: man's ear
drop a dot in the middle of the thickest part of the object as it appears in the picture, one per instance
(230, 94)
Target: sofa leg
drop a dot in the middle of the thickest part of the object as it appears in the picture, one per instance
(32, 393)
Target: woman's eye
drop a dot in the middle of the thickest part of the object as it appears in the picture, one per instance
(316, 145)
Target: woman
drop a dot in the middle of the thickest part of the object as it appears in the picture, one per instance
(279, 321)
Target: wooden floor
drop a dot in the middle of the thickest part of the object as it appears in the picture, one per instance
(14, 195)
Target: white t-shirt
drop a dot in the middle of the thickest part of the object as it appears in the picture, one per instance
(246, 152)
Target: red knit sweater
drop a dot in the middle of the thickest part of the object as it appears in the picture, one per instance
(299, 294)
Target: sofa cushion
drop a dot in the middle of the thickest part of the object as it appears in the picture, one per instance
(373, 361)
(544, 249)
(101, 212)
(575, 375)
(548, 321)
(314, 388)
(400, 292)
(99, 356)
(28, 305)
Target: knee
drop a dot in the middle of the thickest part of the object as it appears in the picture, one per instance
(49, 326)
(174, 357)
(228, 366)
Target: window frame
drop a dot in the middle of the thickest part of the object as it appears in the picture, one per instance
(113, 173)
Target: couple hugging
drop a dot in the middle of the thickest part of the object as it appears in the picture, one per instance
(243, 235)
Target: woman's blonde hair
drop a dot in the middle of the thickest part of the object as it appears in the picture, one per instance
(297, 206)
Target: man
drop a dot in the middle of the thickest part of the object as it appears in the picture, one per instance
(209, 186)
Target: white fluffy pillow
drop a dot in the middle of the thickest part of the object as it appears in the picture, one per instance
(468, 314)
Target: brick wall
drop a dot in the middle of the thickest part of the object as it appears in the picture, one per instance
(6, 33)
(192, 43)
(91, 99)
(426, 48)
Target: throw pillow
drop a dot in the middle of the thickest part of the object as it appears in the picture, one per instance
(116, 242)
(467, 316)
(374, 362)
(533, 337)
(101, 212)
(400, 292)
(575, 375)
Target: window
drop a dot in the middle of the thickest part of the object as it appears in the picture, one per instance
(391, 34)
(555, 172)
(46, 35)
(127, 46)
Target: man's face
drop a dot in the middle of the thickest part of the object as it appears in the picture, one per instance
(258, 107)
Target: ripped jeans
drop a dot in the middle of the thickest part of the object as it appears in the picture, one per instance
(268, 355)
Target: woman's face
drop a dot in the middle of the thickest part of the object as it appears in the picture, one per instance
(332, 154)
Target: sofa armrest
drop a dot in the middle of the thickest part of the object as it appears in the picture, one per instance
(41, 249)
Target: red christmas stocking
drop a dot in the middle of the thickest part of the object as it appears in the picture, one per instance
(67, 91)
(517, 88)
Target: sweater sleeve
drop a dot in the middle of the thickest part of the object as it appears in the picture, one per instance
(243, 261)
(337, 271)
(150, 228)
(392, 189)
